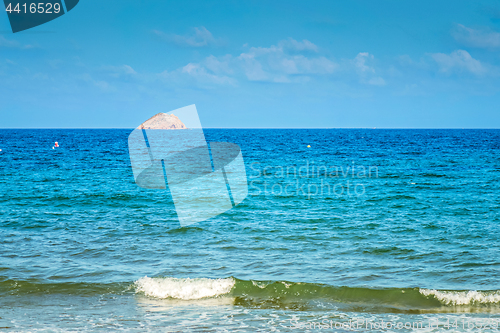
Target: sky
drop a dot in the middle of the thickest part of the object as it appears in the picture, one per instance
(256, 64)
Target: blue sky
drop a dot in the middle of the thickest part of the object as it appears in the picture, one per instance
(384, 64)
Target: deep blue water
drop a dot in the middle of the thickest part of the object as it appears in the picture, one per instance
(383, 224)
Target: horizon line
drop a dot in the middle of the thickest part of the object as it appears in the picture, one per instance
(132, 128)
(262, 128)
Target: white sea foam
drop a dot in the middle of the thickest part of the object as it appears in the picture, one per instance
(463, 297)
(186, 289)
(261, 285)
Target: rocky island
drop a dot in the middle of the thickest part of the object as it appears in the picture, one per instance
(163, 121)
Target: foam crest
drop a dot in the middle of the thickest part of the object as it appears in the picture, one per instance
(186, 289)
(463, 297)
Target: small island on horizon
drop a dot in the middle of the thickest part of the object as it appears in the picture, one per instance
(163, 121)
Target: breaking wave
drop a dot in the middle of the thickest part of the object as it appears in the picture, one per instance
(276, 294)
(186, 289)
(469, 297)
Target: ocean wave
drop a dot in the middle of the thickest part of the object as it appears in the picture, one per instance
(186, 289)
(469, 297)
(300, 295)
(276, 294)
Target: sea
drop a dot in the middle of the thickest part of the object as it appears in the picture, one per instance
(342, 230)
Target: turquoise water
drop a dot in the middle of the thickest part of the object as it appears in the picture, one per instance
(365, 225)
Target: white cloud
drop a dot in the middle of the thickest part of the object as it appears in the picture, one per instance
(281, 63)
(128, 70)
(376, 81)
(292, 44)
(459, 61)
(198, 71)
(102, 85)
(272, 64)
(253, 68)
(4, 42)
(275, 63)
(120, 71)
(476, 38)
(220, 65)
(365, 70)
(200, 37)
(360, 62)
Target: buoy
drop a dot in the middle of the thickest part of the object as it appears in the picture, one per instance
(56, 144)
(308, 146)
